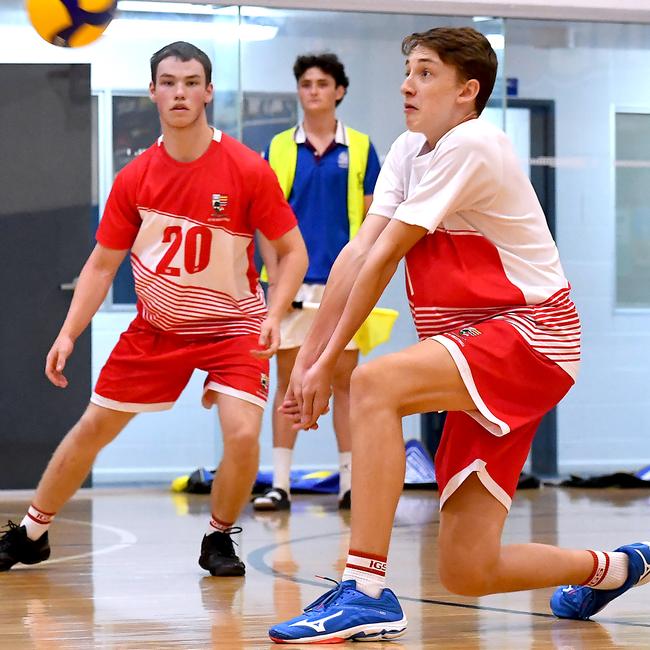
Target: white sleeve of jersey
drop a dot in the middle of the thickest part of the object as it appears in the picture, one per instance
(389, 189)
(464, 173)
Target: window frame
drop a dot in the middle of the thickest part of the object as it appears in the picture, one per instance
(615, 111)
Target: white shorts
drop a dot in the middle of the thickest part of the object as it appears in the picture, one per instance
(296, 324)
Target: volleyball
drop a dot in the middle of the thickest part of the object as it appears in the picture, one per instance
(70, 23)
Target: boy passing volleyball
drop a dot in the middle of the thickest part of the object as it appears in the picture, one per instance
(499, 347)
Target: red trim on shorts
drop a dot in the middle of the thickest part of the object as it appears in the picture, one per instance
(365, 569)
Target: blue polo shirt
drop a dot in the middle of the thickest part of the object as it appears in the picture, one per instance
(319, 198)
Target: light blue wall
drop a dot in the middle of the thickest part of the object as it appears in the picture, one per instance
(603, 423)
(159, 446)
(586, 69)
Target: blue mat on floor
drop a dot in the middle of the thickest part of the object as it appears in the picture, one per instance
(303, 481)
(419, 474)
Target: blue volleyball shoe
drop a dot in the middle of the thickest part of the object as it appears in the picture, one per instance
(344, 613)
(583, 602)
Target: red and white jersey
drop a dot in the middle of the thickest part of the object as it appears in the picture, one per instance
(190, 228)
(489, 252)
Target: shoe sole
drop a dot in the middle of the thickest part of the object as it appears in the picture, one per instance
(46, 556)
(371, 632)
(269, 507)
(225, 573)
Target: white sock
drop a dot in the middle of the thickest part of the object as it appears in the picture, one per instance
(36, 522)
(345, 472)
(369, 572)
(282, 468)
(610, 570)
(218, 526)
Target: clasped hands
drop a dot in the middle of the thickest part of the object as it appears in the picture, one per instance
(308, 395)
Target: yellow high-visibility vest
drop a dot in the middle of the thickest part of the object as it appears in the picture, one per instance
(283, 157)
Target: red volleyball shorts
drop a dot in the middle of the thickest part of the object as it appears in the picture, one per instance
(148, 369)
(513, 386)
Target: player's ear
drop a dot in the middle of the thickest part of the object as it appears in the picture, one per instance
(469, 91)
(208, 95)
(152, 91)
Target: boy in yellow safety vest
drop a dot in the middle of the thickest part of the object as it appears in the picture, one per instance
(327, 172)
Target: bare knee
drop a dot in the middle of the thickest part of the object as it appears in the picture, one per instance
(285, 360)
(96, 428)
(367, 387)
(241, 445)
(343, 372)
(280, 392)
(467, 567)
(471, 525)
(282, 382)
(341, 385)
(465, 580)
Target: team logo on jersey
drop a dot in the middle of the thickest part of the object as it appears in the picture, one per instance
(343, 161)
(219, 204)
(469, 331)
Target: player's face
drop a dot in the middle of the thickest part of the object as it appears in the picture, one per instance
(434, 96)
(318, 92)
(180, 91)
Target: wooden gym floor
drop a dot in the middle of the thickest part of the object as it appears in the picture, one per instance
(124, 574)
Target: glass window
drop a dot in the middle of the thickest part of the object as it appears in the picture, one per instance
(264, 114)
(589, 74)
(632, 209)
(135, 128)
(368, 44)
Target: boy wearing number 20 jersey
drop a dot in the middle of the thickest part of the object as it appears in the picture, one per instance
(190, 229)
(187, 210)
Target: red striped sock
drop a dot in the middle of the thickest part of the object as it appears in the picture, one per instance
(36, 522)
(368, 570)
(218, 525)
(609, 572)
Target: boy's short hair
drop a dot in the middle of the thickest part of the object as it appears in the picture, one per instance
(466, 50)
(328, 62)
(185, 52)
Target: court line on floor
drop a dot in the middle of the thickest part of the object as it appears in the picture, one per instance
(257, 560)
(126, 539)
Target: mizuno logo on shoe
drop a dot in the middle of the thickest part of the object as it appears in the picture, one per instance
(646, 568)
(318, 625)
